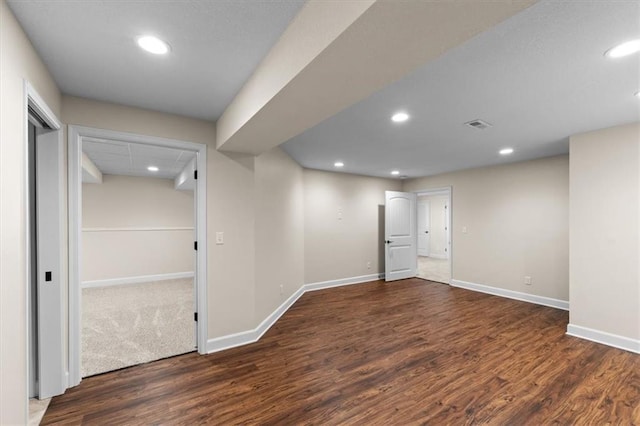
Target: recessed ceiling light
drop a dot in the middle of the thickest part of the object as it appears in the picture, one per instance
(624, 49)
(637, 94)
(506, 151)
(338, 164)
(399, 117)
(395, 172)
(153, 45)
(153, 168)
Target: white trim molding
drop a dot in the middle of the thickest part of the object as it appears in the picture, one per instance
(139, 229)
(614, 340)
(75, 136)
(251, 336)
(136, 280)
(55, 344)
(342, 282)
(511, 294)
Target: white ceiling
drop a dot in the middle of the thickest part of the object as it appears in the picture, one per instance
(131, 159)
(538, 78)
(90, 48)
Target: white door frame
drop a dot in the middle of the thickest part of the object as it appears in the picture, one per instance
(75, 136)
(53, 345)
(448, 191)
(426, 203)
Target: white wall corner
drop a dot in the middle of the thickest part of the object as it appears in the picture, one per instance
(614, 340)
(511, 294)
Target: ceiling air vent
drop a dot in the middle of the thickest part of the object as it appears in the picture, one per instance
(478, 124)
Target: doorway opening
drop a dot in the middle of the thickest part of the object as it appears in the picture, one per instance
(433, 214)
(138, 258)
(137, 224)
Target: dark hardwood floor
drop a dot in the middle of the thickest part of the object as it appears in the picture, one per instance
(410, 352)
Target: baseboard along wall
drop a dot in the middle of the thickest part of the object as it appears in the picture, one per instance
(510, 294)
(614, 340)
(137, 280)
(251, 336)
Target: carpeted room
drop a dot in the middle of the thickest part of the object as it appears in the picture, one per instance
(138, 294)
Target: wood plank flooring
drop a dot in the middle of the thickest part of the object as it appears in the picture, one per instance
(410, 352)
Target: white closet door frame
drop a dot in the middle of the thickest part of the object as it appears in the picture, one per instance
(52, 373)
(75, 137)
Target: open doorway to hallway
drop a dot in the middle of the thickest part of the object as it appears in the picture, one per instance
(433, 230)
(137, 259)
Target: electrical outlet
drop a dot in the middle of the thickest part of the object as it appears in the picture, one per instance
(527, 280)
(368, 265)
(219, 237)
(339, 213)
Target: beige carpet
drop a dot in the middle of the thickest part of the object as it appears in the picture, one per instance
(135, 323)
(438, 270)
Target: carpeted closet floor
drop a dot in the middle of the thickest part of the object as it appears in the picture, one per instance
(131, 324)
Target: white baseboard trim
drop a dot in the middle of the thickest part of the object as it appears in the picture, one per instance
(136, 280)
(280, 310)
(251, 336)
(510, 294)
(604, 338)
(229, 341)
(341, 282)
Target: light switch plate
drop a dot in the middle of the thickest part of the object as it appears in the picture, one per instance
(219, 237)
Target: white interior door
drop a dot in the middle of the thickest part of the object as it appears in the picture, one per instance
(401, 255)
(424, 238)
(49, 264)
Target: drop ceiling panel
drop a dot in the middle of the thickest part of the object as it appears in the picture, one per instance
(130, 159)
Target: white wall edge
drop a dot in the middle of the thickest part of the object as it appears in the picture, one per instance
(136, 280)
(597, 336)
(511, 294)
(221, 343)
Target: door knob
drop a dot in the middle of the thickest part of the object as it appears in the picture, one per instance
(388, 242)
(426, 232)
